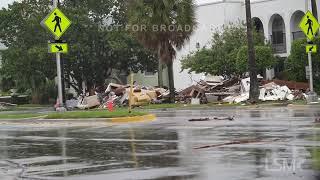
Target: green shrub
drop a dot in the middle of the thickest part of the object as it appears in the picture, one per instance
(44, 93)
(298, 60)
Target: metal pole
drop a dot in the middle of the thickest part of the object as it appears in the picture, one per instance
(58, 59)
(311, 74)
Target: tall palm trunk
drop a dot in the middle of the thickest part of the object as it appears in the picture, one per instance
(314, 8)
(254, 86)
(160, 74)
(160, 69)
(171, 81)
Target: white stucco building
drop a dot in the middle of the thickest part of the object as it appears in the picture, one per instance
(277, 19)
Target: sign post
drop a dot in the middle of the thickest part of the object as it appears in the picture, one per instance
(57, 23)
(310, 26)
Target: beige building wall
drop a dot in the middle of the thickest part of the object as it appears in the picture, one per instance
(150, 80)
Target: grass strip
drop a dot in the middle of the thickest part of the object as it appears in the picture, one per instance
(94, 114)
(19, 116)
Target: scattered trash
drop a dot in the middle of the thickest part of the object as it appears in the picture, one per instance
(4, 105)
(224, 118)
(200, 119)
(249, 141)
(71, 104)
(215, 118)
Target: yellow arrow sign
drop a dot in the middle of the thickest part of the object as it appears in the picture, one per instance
(311, 48)
(58, 48)
(56, 22)
(309, 25)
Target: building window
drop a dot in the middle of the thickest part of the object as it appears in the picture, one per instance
(278, 36)
(198, 45)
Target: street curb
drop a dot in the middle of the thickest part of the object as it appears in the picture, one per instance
(145, 118)
(304, 105)
(134, 119)
(148, 117)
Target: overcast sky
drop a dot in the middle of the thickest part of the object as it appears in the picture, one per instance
(4, 3)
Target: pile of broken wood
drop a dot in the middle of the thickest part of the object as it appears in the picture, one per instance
(236, 90)
(209, 91)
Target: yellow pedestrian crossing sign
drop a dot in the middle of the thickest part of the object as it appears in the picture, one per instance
(311, 48)
(309, 25)
(58, 48)
(56, 22)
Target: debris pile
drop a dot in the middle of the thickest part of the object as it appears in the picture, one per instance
(209, 90)
(235, 90)
(268, 92)
(118, 95)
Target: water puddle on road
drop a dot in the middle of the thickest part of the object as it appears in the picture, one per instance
(258, 144)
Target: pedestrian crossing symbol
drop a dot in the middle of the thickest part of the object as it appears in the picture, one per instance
(309, 25)
(56, 22)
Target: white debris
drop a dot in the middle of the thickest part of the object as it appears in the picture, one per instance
(72, 103)
(274, 92)
(268, 92)
(88, 102)
(245, 85)
(243, 97)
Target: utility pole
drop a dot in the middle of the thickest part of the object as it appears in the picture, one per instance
(314, 8)
(254, 86)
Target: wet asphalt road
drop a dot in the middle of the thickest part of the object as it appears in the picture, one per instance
(276, 143)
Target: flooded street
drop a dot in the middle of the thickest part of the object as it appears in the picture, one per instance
(266, 144)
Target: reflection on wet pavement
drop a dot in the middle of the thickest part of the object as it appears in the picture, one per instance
(281, 143)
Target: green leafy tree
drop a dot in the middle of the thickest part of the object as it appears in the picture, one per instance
(97, 47)
(165, 26)
(221, 57)
(26, 61)
(264, 57)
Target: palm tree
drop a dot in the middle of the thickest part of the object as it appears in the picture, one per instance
(254, 86)
(163, 26)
